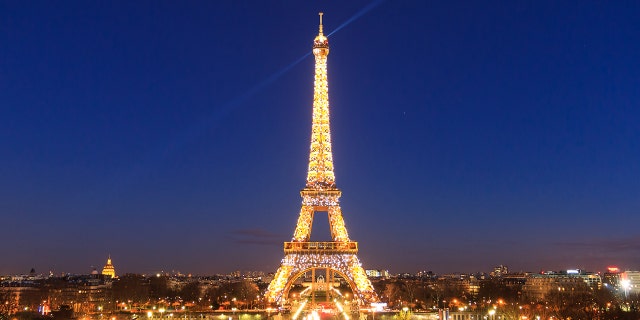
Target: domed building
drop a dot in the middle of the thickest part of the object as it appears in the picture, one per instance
(108, 269)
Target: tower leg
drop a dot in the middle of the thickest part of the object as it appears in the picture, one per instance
(328, 284)
(279, 282)
(313, 286)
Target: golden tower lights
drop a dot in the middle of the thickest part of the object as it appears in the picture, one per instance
(320, 195)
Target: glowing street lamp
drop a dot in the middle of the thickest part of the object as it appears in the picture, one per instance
(405, 314)
(626, 284)
(377, 306)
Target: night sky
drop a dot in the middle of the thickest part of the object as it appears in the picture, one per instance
(174, 135)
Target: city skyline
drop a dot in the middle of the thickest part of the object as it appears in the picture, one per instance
(109, 270)
(175, 136)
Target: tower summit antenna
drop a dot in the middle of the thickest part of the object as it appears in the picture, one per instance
(320, 14)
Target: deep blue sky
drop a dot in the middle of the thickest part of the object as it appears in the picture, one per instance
(466, 134)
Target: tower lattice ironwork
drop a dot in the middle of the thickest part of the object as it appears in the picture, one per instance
(320, 195)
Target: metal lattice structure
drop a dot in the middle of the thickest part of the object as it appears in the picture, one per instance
(320, 195)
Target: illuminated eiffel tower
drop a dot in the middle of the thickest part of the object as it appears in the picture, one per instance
(321, 195)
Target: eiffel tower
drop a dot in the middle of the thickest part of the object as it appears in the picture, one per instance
(320, 195)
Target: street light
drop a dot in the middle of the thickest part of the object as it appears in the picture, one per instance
(405, 314)
(377, 306)
(626, 284)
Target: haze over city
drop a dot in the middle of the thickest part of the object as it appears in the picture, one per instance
(175, 135)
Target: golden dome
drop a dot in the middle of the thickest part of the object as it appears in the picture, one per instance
(108, 269)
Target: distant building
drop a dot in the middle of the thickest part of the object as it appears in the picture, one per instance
(268, 277)
(630, 281)
(425, 274)
(471, 285)
(377, 273)
(537, 286)
(611, 278)
(499, 271)
(109, 270)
